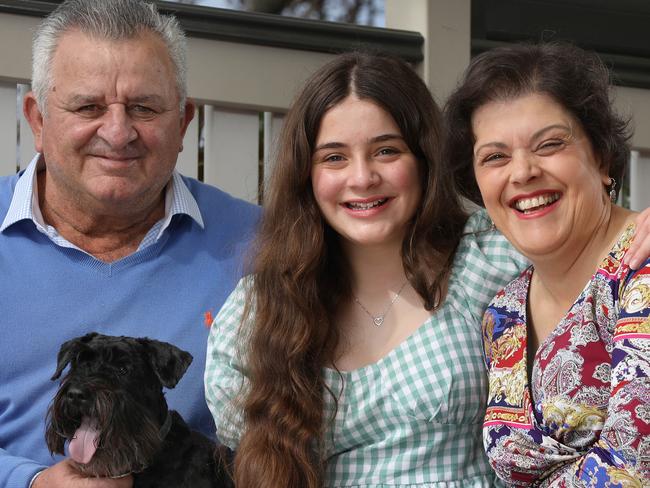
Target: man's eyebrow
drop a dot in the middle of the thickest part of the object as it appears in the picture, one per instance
(147, 99)
(81, 99)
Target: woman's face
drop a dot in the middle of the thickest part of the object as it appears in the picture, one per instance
(364, 176)
(538, 174)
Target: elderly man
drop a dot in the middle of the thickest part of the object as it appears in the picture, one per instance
(100, 233)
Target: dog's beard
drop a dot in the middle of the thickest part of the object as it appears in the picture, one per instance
(128, 435)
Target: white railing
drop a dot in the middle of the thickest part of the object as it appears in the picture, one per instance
(13, 129)
(639, 180)
(225, 152)
(244, 87)
(243, 70)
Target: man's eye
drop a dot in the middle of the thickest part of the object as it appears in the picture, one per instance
(88, 109)
(142, 110)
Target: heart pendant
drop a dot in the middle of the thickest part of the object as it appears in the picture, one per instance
(378, 321)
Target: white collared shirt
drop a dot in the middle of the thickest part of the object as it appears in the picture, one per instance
(24, 205)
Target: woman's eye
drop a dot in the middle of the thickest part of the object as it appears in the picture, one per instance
(494, 158)
(550, 146)
(333, 158)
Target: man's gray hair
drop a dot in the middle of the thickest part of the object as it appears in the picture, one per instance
(112, 20)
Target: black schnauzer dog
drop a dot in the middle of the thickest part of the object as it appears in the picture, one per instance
(111, 408)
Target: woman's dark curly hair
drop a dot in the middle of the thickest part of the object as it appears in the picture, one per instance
(577, 79)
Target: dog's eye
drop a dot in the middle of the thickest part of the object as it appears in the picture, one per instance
(122, 371)
(85, 356)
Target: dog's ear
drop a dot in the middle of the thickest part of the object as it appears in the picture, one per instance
(68, 351)
(168, 361)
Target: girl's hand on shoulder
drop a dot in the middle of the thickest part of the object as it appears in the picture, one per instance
(640, 247)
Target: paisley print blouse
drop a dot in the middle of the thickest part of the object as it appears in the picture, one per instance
(584, 418)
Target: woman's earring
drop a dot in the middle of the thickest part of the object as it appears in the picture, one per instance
(612, 190)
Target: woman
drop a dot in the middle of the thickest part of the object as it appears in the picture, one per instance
(567, 343)
(352, 356)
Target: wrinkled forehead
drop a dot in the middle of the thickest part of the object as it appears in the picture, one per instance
(75, 42)
(97, 67)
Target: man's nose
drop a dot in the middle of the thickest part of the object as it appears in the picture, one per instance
(117, 127)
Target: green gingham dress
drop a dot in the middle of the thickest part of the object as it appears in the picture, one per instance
(414, 418)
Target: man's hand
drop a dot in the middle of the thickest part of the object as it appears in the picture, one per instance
(64, 475)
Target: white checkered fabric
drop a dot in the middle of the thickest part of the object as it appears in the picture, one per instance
(414, 418)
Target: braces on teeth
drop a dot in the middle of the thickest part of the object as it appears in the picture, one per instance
(365, 206)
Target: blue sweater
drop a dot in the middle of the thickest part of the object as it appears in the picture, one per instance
(49, 294)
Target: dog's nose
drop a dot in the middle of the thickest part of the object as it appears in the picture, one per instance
(76, 395)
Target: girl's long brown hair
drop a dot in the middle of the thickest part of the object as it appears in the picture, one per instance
(301, 275)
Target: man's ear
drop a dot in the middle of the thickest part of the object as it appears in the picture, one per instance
(188, 115)
(35, 119)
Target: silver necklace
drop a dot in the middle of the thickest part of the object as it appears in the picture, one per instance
(379, 319)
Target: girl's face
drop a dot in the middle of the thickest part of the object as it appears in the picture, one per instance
(364, 176)
(538, 174)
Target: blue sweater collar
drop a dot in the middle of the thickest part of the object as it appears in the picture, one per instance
(24, 203)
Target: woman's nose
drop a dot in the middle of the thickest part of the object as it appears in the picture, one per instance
(524, 167)
(364, 172)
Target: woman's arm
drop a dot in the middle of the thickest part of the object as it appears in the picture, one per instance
(621, 457)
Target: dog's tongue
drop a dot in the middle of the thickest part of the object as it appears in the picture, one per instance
(84, 443)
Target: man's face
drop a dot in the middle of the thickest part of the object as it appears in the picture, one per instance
(114, 127)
